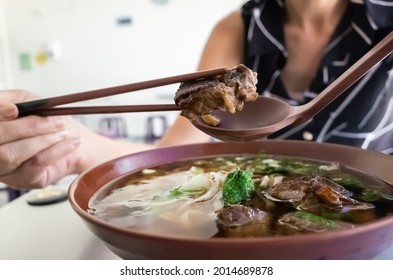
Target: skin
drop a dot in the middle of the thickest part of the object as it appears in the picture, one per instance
(38, 151)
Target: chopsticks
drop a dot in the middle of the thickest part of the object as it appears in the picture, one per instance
(45, 106)
(62, 111)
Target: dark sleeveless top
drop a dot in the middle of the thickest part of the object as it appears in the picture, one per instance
(363, 115)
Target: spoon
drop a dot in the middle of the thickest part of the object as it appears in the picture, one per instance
(267, 115)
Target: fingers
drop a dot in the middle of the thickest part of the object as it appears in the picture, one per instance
(46, 167)
(13, 154)
(29, 127)
(56, 152)
(16, 95)
(34, 151)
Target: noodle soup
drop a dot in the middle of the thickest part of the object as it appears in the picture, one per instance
(243, 196)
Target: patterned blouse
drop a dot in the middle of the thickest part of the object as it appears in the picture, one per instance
(363, 115)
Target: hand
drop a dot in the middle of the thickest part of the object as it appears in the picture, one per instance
(34, 151)
(38, 151)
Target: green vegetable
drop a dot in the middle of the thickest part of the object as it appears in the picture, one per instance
(349, 183)
(286, 165)
(369, 195)
(315, 219)
(342, 216)
(179, 192)
(192, 188)
(238, 186)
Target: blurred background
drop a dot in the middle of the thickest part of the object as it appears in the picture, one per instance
(55, 47)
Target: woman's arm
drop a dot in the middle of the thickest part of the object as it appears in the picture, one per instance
(224, 48)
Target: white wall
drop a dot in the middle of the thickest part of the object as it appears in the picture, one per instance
(5, 70)
(92, 51)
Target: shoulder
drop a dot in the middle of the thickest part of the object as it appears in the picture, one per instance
(225, 44)
(230, 29)
(230, 23)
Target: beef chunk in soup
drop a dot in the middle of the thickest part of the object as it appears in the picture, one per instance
(315, 194)
(303, 222)
(295, 190)
(243, 221)
(226, 92)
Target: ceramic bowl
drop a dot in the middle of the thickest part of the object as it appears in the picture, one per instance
(363, 242)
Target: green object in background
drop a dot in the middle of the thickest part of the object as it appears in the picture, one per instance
(25, 61)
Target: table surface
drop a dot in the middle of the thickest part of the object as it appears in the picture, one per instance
(56, 232)
(49, 232)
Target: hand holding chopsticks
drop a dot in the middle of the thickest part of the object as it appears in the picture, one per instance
(46, 106)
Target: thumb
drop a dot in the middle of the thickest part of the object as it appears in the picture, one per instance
(8, 111)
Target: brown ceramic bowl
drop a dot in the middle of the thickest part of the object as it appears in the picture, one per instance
(364, 242)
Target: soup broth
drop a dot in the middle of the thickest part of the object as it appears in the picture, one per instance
(186, 198)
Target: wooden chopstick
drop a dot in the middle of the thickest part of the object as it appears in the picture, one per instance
(27, 108)
(100, 110)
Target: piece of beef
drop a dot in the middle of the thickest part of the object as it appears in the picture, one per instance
(226, 92)
(315, 194)
(243, 221)
(295, 190)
